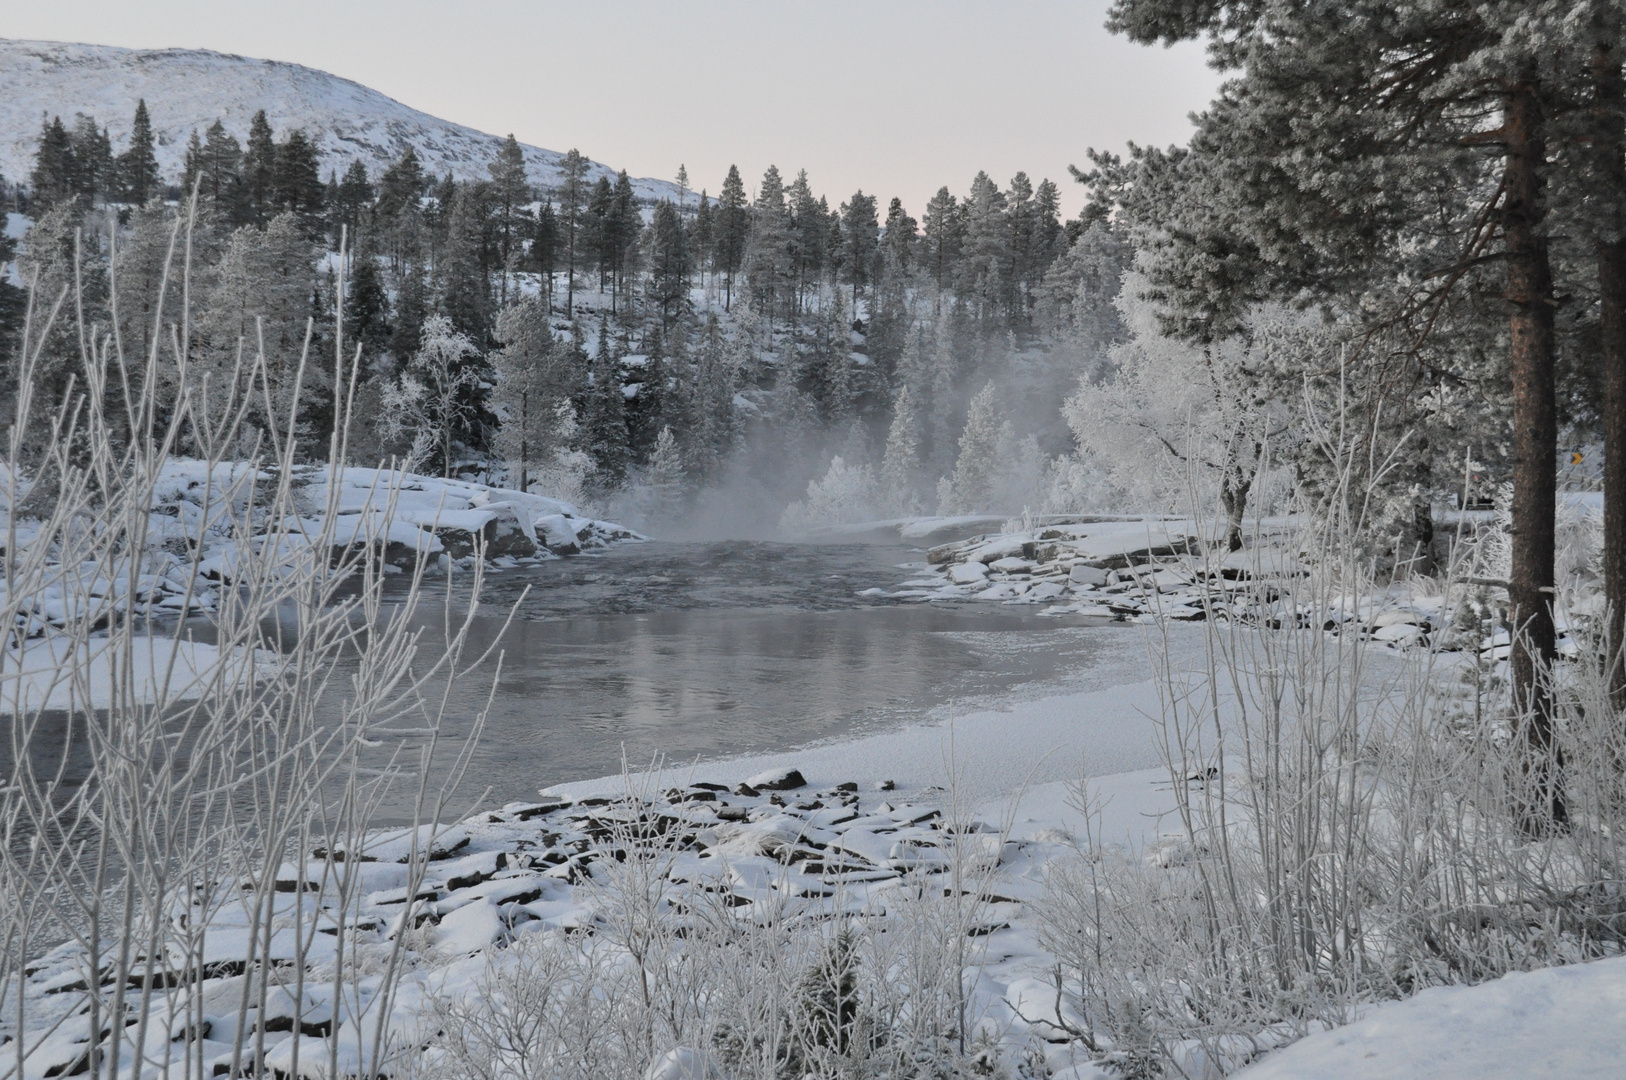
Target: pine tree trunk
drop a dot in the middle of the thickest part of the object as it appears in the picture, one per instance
(1610, 249)
(1535, 450)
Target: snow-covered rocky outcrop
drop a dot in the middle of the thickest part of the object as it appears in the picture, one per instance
(189, 89)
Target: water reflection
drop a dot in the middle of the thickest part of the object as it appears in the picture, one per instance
(711, 649)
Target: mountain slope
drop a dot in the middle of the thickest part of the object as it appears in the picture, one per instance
(188, 89)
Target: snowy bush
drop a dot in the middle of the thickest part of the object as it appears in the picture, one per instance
(843, 495)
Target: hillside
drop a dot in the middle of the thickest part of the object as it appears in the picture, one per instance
(189, 89)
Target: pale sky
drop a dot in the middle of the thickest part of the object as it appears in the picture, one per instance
(895, 96)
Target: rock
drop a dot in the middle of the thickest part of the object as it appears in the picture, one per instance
(1397, 618)
(508, 534)
(558, 535)
(942, 553)
(1085, 574)
(1010, 564)
(886, 785)
(968, 573)
(778, 780)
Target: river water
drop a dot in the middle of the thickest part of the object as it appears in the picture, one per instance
(716, 648)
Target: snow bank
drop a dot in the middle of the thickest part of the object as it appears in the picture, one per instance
(1565, 1022)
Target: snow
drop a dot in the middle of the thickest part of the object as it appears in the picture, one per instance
(188, 89)
(53, 673)
(1559, 1022)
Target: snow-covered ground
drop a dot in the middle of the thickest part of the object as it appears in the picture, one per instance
(1567, 1022)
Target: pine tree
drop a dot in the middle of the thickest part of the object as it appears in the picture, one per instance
(733, 231)
(668, 261)
(1344, 149)
(901, 236)
(511, 194)
(258, 172)
(767, 255)
(138, 165)
(543, 256)
(704, 236)
(572, 203)
(625, 228)
(860, 240)
(943, 235)
(192, 167)
(466, 270)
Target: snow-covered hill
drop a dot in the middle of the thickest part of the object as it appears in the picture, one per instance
(189, 89)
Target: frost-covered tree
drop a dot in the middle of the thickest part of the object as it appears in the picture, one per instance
(664, 477)
(845, 494)
(1178, 418)
(985, 445)
(532, 378)
(432, 400)
(900, 461)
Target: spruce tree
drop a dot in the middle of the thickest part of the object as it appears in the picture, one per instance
(222, 158)
(296, 178)
(138, 165)
(606, 428)
(352, 197)
(96, 167)
(56, 174)
(401, 186)
(367, 304)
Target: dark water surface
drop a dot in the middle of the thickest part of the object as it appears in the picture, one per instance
(717, 648)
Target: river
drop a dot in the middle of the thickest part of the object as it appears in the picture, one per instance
(708, 649)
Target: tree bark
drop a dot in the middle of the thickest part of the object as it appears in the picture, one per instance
(1610, 247)
(1535, 451)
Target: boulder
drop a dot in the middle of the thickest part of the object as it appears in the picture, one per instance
(558, 534)
(508, 533)
(778, 780)
(1085, 574)
(968, 573)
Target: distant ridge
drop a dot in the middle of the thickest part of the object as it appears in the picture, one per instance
(189, 89)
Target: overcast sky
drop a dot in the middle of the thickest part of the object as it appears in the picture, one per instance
(895, 96)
